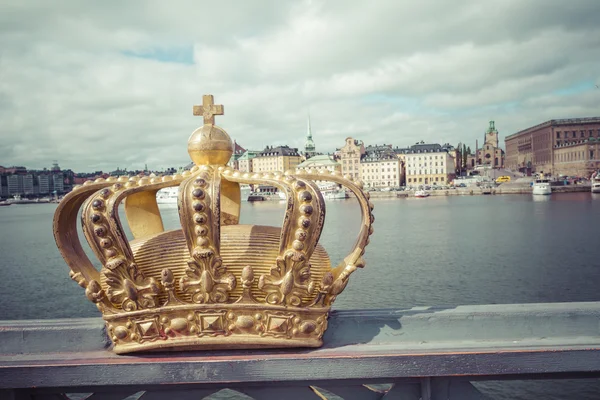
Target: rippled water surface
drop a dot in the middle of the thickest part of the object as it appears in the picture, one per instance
(435, 251)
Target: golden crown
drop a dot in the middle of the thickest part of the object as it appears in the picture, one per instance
(214, 283)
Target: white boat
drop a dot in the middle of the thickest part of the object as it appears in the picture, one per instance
(17, 199)
(332, 191)
(335, 194)
(167, 195)
(421, 193)
(541, 187)
(266, 196)
(595, 182)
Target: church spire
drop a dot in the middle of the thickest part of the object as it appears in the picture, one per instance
(309, 145)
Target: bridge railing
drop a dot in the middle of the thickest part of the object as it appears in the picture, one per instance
(418, 353)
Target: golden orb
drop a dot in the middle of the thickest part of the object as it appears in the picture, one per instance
(210, 145)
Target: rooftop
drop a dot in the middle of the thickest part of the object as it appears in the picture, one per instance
(249, 154)
(271, 151)
(320, 160)
(423, 147)
(557, 122)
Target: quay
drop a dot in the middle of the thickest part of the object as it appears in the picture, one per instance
(473, 191)
(420, 353)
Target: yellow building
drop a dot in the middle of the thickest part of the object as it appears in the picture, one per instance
(350, 156)
(276, 159)
(245, 160)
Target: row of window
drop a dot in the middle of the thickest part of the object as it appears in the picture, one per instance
(414, 180)
(424, 165)
(573, 134)
(424, 171)
(377, 169)
(369, 177)
(573, 156)
(425, 157)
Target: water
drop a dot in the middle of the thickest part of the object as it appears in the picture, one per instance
(436, 251)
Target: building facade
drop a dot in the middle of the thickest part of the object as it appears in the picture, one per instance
(380, 167)
(428, 164)
(245, 160)
(21, 184)
(350, 156)
(15, 184)
(58, 183)
(44, 183)
(276, 159)
(532, 149)
(580, 158)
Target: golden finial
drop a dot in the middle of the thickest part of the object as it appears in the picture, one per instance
(208, 109)
(209, 144)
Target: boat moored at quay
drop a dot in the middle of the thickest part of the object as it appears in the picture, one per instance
(167, 195)
(541, 187)
(18, 199)
(595, 182)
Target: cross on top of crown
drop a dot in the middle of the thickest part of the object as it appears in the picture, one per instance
(208, 109)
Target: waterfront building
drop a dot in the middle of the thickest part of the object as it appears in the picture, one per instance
(21, 184)
(3, 186)
(276, 159)
(323, 161)
(44, 183)
(532, 150)
(427, 164)
(245, 160)
(581, 158)
(350, 156)
(58, 184)
(381, 167)
(28, 184)
(15, 184)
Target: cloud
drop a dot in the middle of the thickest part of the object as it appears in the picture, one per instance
(110, 84)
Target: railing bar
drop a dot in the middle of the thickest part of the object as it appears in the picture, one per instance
(426, 388)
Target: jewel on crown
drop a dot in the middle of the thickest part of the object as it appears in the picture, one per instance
(214, 283)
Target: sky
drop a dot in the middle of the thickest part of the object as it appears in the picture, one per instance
(101, 85)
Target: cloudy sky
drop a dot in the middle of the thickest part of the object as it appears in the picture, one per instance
(100, 85)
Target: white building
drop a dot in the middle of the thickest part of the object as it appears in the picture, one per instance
(380, 167)
(428, 164)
